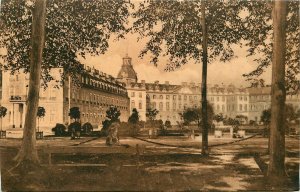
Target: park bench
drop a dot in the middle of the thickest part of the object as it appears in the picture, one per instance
(137, 151)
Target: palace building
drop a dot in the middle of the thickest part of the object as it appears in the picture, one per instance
(171, 100)
(96, 93)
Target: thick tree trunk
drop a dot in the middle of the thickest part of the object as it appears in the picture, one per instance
(276, 167)
(204, 82)
(28, 151)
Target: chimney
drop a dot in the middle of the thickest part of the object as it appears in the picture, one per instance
(156, 82)
(167, 82)
(143, 81)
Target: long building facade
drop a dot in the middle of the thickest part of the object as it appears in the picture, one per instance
(98, 91)
(95, 94)
(171, 100)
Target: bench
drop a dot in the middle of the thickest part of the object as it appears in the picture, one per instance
(138, 150)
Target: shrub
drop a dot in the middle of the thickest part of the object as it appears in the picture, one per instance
(168, 124)
(75, 125)
(59, 130)
(87, 128)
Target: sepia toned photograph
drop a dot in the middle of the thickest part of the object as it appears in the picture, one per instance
(149, 95)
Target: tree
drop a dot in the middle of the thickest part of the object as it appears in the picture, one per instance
(290, 115)
(3, 111)
(276, 168)
(133, 120)
(218, 117)
(151, 114)
(168, 124)
(272, 31)
(258, 33)
(40, 114)
(113, 114)
(74, 113)
(191, 115)
(195, 115)
(178, 30)
(265, 117)
(28, 153)
(134, 117)
(72, 29)
(231, 121)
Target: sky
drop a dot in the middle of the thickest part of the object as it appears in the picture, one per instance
(218, 72)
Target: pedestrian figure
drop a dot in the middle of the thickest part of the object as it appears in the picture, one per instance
(113, 134)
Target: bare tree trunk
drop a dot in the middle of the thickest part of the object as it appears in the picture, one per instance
(204, 82)
(276, 167)
(28, 151)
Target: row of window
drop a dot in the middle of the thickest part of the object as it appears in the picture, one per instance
(101, 85)
(92, 97)
(184, 97)
(140, 94)
(167, 107)
(140, 106)
(190, 97)
(266, 97)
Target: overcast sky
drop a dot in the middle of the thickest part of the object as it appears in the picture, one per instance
(218, 72)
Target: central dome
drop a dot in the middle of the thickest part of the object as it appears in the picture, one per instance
(127, 73)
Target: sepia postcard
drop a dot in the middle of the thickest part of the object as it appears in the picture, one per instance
(149, 95)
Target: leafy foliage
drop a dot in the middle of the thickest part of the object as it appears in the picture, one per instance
(113, 114)
(74, 113)
(218, 117)
(290, 115)
(59, 130)
(195, 115)
(258, 31)
(168, 124)
(3, 111)
(41, 112)
(73, 28)
(134, 117)
(151, 114)
(231, 121)
(174, 26)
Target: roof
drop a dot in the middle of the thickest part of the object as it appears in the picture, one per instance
(259, 90)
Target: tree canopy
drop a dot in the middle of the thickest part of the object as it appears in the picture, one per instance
(74, 113)
(73, 28)
(174, 30)
(134, 117)
(3, 111)
(194, 115)
(258, 33)
(113, 114)
(41, 112)
(151, 113)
